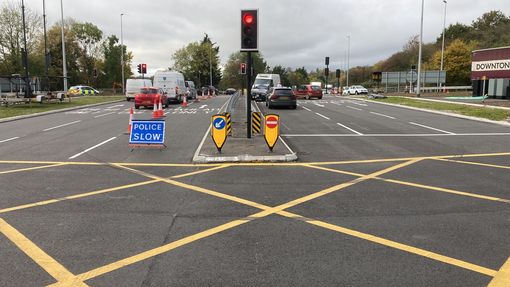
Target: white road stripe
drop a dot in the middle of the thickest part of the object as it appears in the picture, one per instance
(394, 135)
(104, 115)
(307, 109)
(346, 127)
(11, 139)
(431, 128)
(354, 108)
(91, 148)
(319, 105)
(382, 115)
(323, 116)
(49, 129)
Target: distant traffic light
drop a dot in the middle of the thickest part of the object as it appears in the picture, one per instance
(338, 73)
(243, 68)
(144, 68)
(139, 68)
(327, 61)
(249, 29)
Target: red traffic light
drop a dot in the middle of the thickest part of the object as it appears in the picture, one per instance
(248, 18)
(144, 68)
(243, 68)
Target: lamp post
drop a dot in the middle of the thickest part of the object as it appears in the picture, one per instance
(46, 55)
(210, 63)
(442, 46)
(64, 66)
(348, 56)
(28, 92)
(122, 54)
(418, 91)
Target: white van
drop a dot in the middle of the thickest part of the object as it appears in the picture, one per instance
(172, 83)
(133, 87)
(262, 84)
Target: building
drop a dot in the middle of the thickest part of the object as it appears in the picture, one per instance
(490, 72)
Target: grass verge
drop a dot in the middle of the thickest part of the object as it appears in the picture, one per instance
(479, 112)
(27, 109)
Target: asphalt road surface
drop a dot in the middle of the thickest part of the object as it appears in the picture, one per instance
(380, 196)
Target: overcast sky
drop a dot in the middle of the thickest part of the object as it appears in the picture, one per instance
(292, 33)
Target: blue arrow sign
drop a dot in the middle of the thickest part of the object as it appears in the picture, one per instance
(147, 132)
(219, 124)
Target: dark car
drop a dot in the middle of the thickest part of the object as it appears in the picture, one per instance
(230, 91)
(147, 96)
(281, 97)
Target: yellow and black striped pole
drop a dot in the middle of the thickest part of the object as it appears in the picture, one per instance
(229, 123)
(256, 122)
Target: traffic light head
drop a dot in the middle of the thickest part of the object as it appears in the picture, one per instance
(243, 68)
(139, 68)
(249, 30)
(144, 68)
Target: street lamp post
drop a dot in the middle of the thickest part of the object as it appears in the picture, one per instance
(122, 54)
(418, 91)
(442, 46)
(210, 63)
(28, 92)
(348, 56)
(64, 65)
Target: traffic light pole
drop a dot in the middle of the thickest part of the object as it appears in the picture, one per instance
(248, 96)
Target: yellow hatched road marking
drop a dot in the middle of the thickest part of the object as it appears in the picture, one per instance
(55, 269)
(475, 163)
(422, 186)
(31, 168)
(396, 245)
(502, 278)
(55, 200)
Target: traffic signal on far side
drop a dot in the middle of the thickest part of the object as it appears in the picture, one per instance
(243, 68)
(144, 68)
(139, 68)
(249, 30)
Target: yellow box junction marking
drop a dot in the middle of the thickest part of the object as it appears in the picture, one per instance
(474, 163)
(502, 278)
(46, 262)
(280, 210)
(31, 168)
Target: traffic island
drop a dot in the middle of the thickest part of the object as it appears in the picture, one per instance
(237, 147)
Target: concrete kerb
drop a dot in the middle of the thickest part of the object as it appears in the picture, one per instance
(56, 111)
(205, 158)
(502, 123)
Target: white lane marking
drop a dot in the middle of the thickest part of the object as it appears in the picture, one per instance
(394, 135)
(431, 128)
(354, 108)
(323, 116)
(115, 106)
(285, 126)
(382, 115)
(319, 105)
(166, 113)
(202, 106)
(91, 148)
(52, 128)
(11, 139)
(307, 109)
(104, 115)
(346, 127)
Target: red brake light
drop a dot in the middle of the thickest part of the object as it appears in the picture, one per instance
(248, 18)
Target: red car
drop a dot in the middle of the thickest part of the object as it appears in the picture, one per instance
(308, 92)
(147, 96)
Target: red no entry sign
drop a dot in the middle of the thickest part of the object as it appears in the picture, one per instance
(271, 122)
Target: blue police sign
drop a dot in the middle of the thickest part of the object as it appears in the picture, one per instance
(147, 132)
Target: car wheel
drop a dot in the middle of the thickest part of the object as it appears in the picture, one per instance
(137, 107)
(294, 107)
(356, 93)
(266, 104)
(320, 98)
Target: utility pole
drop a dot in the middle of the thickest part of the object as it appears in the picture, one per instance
(64, 65)
(46, 54)
(122, 54)
(442, 46)
(28, 92)
(418, 84)
(348, 56)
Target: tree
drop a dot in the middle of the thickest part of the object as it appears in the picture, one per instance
(11, 37)
(88, 37)
(231, 77)
(196, 60)
(283, 74)
(457, 62)
(111, 69)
